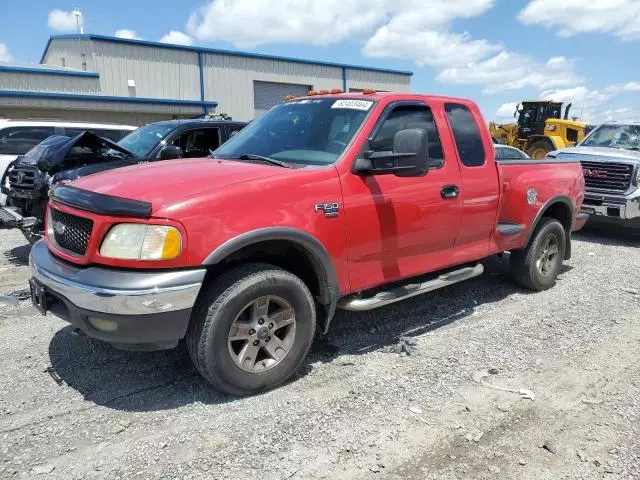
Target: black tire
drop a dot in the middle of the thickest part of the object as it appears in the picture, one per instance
(216, 310)
(526, 263)
(541, 147)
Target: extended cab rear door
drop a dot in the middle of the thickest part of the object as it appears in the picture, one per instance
(399, 227)
(479, 184)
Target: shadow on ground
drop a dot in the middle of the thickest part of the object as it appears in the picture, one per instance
(18, 256)
(153, 381)
(609, 233)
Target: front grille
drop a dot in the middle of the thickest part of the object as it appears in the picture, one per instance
(23, 177)
(607, 176)
(70, 232)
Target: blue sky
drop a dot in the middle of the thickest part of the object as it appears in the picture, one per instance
(496, 52)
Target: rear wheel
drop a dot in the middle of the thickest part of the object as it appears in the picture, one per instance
(252, 328)
(539, 149)
(537, 266)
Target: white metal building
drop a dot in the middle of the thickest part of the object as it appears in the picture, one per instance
(108, 79)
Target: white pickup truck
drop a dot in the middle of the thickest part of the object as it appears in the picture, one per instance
(610, 158)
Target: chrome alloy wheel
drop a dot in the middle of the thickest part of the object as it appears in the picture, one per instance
(262, 334)
(548, 256)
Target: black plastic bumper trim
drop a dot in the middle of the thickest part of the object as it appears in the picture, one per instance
(99, 202)
(153, 329)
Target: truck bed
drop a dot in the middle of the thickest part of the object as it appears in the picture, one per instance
(521, 204)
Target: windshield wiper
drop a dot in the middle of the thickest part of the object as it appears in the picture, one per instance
(262, 158)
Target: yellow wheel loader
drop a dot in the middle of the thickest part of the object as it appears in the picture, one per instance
(539, 129)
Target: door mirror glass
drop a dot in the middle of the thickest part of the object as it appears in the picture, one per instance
(170, 152)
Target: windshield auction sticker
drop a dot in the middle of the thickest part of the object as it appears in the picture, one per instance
(351, 104)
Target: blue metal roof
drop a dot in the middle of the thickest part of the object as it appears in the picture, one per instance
(107, 98)
(46, 70)
(147, 43)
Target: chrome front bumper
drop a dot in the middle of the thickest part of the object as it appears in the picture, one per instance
(143, 307)
(625, 207)
(116, 291)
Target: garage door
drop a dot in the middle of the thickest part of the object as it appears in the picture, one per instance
(268, 94)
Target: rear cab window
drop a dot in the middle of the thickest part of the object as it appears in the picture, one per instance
(466, 135)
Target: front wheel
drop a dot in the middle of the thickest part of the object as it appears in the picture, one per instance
(252, 328)
(537, 266)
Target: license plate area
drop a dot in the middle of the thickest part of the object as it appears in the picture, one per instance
(38, 295)
(590, 211)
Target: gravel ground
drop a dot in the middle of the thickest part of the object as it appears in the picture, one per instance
(73, 408)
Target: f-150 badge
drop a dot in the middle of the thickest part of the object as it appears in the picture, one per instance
(330, 209)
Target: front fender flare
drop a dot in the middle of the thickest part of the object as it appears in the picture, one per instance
(320, 258)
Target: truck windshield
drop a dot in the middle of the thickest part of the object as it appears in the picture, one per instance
(614, 136)
(311, 131)
(140, 142)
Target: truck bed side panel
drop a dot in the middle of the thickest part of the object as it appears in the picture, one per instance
(527, 187)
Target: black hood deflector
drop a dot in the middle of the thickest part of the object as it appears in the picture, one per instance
(99, 202)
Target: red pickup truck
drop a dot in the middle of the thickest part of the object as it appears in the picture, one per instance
(350, 201)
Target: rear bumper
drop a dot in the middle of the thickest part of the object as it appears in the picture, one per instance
(624, 207)
(118, 306)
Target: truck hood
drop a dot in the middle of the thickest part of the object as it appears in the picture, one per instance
(166, 182)
(603, 153)
(57, 152)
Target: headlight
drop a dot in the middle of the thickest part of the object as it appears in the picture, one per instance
(136, 241)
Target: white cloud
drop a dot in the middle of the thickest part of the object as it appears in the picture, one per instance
(432, 48)
(618, 17)
(621, 114)
(248, 23)
(5, 54)
(177, 37)
(512, 71)
(505, 112)
(582, 95)
(632, 87)
(420, 32)
(589, 104)
(126, 33)
(62, 21)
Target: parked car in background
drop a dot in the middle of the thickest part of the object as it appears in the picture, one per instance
(610, 157)
(17, 137)
(351, 201)
(506, 153)
(61, 159)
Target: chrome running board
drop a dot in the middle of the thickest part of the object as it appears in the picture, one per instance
(358, 304)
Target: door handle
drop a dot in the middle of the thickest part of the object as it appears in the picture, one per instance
(449, 192)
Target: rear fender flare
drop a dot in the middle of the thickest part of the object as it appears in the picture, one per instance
(559, 199)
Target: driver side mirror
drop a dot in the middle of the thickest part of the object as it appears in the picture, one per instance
(409, 157)
(171, 152)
